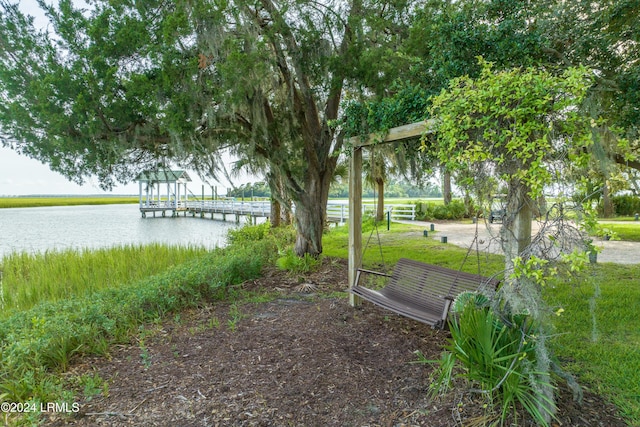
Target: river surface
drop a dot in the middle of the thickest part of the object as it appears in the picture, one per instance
(64, 227)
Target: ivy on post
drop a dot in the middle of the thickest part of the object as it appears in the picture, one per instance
(524, 128)
(522, 125)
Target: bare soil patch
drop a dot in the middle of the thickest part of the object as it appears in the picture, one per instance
(303, 359)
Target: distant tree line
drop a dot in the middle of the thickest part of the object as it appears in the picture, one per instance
(250, 189)
(394, 188)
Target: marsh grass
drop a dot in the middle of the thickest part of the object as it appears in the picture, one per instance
(34, 202)
(29, 279)
(37, 344)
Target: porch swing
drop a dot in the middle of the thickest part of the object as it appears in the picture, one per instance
(420, 291)
(417, 290)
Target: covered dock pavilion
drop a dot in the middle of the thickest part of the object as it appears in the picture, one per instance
(152, 197)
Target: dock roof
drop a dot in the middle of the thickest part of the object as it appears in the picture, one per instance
(164, 176)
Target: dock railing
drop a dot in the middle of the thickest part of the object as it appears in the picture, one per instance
(337, 211)
(253, 208)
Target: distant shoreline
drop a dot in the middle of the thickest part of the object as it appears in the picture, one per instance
(36, 201)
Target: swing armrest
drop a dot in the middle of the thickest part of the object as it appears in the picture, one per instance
(377, 273)
(359, 271)
(447, 305)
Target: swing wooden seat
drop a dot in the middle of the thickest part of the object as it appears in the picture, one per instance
(420, 291)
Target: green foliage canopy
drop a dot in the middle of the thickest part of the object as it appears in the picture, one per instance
(523, 122)
(91, 94)
(125, 86)
(445, 38)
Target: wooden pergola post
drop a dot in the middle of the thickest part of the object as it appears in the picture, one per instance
(355, 219)
(413, 130)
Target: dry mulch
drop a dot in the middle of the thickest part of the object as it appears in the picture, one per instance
(299, 360)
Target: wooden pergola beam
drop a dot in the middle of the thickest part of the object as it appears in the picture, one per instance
(410, 131)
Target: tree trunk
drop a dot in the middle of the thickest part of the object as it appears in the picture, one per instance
(311, 213)
(607, 203)
(275, 213)
(309, 220)
(468, 203)
(285, 214)
(516, 228)
(446, 187)
(380, 207)
(522, 294)
(309, 226)
(280, 204)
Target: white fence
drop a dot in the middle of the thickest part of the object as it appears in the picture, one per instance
(340, 210)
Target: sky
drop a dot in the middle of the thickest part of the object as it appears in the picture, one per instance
(21, 175)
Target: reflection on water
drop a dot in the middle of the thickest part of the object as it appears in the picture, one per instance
(63, 227)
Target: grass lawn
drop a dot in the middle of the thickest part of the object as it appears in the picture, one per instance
(628, 230)
(597, 337)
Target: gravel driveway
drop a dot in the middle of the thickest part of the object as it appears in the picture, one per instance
(615, 251)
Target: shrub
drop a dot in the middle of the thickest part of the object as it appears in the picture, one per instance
(431, 211)
(498, 358)
(295, 264)
(37, 342)
(249, 233)
(627, 205)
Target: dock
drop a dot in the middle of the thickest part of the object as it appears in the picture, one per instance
(223, 209)
(165, 192)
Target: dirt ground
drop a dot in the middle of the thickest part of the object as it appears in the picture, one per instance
(300, 360)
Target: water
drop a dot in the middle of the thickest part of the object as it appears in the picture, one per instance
(65, 227)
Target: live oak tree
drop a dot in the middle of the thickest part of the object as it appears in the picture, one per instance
(82, 95)
(277, 76)
(281, 71)
(126, 86)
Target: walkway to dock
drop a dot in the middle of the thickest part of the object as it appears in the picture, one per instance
(337, 211)
(212, 208)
